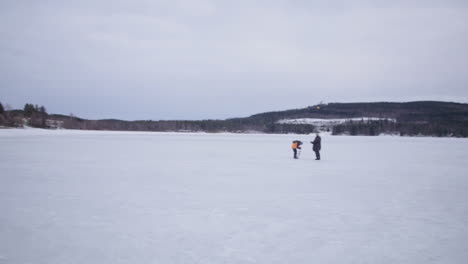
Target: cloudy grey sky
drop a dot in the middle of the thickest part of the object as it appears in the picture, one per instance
(194, 59)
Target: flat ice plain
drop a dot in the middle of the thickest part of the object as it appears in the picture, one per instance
(130, 197)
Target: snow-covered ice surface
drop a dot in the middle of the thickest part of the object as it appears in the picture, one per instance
(122, 197)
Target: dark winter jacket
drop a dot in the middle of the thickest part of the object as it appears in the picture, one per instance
(317, 143)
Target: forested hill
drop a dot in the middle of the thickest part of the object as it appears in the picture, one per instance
(411, 118)
(429, 118)
(424, 110)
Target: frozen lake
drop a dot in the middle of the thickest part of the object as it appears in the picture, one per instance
(130, 197)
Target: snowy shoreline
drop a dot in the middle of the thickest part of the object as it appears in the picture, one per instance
(41, 131)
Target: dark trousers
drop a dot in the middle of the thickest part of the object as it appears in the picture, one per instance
(317, 154)
(295, 153)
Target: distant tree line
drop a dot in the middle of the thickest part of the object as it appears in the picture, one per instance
(237, 125)
(2, 115)
(31, 115)
(5, 116)
(407, 119)
(36, 116)
(375, 128)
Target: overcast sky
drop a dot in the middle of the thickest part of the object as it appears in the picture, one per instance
(196, 59)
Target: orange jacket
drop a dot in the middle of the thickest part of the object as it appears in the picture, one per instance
(295, 145)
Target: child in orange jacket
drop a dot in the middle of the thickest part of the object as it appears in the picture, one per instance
(295, 146)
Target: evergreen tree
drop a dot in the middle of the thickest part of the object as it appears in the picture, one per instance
(28, 110)
(2, 110)
(42, 110)
(43, 116)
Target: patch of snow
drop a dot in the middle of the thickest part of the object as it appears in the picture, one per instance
(330, 122)
(69, 196)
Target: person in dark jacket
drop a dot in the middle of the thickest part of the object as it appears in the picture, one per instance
(317, 145)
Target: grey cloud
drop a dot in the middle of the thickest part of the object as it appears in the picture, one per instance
(216, 59)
